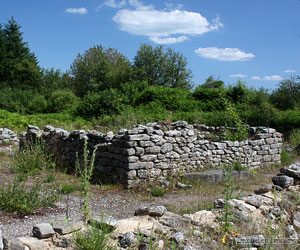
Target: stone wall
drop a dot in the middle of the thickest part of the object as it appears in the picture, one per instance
(157, 151)
(8, 136)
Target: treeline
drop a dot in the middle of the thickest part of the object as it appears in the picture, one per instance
(104, 86)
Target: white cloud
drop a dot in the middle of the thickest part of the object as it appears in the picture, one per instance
(273, 78)
(114, 4)
(161, 25)
(169, 40)
(238, 75)
(224, 54)
(81, 11)
(290, 71)
(268, 78)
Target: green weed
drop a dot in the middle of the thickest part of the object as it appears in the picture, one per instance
(32, 159)
(93, 239)
(16, 197)
(158, 191)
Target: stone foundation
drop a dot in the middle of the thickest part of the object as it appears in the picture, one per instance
(158, 151)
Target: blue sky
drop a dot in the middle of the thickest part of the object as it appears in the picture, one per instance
(257, 41)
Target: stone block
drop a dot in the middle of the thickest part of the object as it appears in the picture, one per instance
(43, 230)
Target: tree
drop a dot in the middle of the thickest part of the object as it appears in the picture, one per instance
(160, 67)
(287, 95)
(213, 83)
(99, 69)
(18, 66)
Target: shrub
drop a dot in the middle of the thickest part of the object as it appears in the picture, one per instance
(106, 102)
(67, 188)
(61, 100)
(93, 239)
(32, 159)
(158, 191)
(37, 104)
(170, 98)
(16, 197)
(294, 138)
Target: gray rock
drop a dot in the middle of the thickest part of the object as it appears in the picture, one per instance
(127, 239)
(264, 189)
(254, 200)
(153, 211)
(43, 230)
(211, 176)
(178, 237)
(219, 203)
(283, 181)
(182, 185)
(291, 233)
(250, 241)
(68, 227)
(167, 147)
(291, 170)
(103, 221)
(296, 220)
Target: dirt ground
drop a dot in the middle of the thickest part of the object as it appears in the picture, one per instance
(117, 201)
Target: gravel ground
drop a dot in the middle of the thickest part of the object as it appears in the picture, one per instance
(119, 204)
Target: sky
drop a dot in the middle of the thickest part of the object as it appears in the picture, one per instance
(256, 41)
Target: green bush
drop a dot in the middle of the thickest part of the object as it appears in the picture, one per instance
(32, 159)
(61, 100)
(173, 99)
(93, 239)
(37, 104)
(67, 188)
(158, 191)
(106, 102)
(17, 197)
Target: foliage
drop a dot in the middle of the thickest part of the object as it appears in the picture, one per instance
(238, 93)
(61, 100)
(163, 68)
(158, 191)
(18, 66)
(17, 197)
(170, 98)
(294, 137)
(106, 102)
(241, 131)
(212, 83)
(93, 239)
(99, 69)
(287, 95)
(32, 159)
(84, 170)
(67, 188)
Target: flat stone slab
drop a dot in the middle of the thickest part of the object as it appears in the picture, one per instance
(152, 211)
(104, 221)
(43, 230)
(68, 227)
(34, 243)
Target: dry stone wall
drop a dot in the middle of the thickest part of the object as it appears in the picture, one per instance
(157, 151)
(8, 136)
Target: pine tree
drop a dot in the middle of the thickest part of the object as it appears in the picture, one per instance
(18, 66)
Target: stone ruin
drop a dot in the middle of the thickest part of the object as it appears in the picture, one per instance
(158, 151)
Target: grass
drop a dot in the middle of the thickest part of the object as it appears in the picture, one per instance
(93, 239)
(32, 159)
(158, 191)
(17, 197)
(67, 188)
